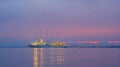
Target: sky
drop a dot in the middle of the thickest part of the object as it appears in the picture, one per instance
(74, 20)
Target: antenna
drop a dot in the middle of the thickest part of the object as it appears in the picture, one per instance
(47, 35)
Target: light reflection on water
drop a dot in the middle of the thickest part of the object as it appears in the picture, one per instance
(55, 57)
(35, 57)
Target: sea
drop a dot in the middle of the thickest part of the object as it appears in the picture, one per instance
(59, 57)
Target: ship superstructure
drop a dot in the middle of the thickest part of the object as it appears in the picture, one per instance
(41, 43)
(57, 43)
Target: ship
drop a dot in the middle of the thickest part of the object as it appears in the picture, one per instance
(41, 43)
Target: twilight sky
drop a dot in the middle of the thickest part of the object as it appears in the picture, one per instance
(75, 20)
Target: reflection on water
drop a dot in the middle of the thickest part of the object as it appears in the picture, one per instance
(60, 57)
(53, 58)
(41, 57)
(35, 57)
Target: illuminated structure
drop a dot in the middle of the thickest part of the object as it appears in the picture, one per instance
(57, 43)
(41, 40)
(37, 43)
(41, 43)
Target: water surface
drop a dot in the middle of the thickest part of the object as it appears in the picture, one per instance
(59, 57)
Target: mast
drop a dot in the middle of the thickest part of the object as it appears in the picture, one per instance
(35, 35)
(57, 35)
(40, 33)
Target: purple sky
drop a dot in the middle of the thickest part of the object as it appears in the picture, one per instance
(74, 19)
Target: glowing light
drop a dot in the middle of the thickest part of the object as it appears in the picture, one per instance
(41, 40)
(57, 43)
(35, 43)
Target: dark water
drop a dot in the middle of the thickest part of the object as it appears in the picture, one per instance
(59, 57)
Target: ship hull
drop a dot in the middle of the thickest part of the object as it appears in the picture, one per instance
(47, 46)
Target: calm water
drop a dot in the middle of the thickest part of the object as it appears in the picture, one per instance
(59, 57)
